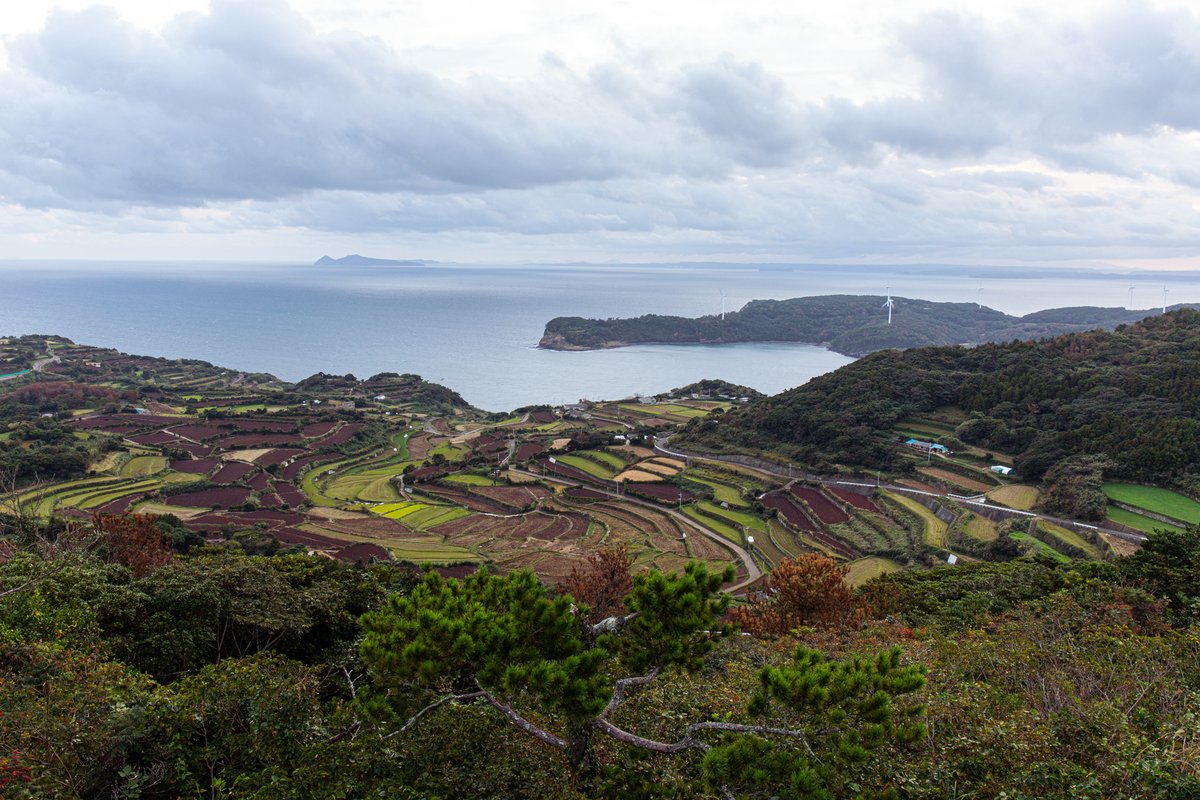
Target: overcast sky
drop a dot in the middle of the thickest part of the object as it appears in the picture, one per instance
(864, 130)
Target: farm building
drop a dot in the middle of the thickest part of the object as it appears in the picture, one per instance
(927, 447)
(1000, 469)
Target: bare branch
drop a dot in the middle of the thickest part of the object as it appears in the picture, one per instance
(415, 717)
(524, 724)
(689, 740)
(619, 689)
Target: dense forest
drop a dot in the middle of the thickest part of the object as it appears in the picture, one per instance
(1132, 395)
(130, 670)
(849, 324)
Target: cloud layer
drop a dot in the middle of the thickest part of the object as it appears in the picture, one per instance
(1022, 140)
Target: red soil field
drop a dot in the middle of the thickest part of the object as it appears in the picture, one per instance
(565, 471)
(156, 438)
(825, 510)
(542, 417)
(528, 451)
(120, 505)
(287, 535)
(223, 498)
(232, 472)
(270, 501)
(856, 500)
(425, 473)
(580, 493)
(363, 553)
(253, 440)
(277, 456)
(290, 494)
(254, 425)
(660, 492)
(198, 466)
(138, 420)
(317, 429)
(419, 446)
(340, 436)
(259, 482)
(196, 450)
(200, 432)
(458, 571)
(789, 511)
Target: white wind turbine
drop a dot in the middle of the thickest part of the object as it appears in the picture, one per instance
(1164, 298)
(1131, 297)
(979, 296)
(722, 305)
(889, 304)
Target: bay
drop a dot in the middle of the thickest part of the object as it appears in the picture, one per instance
(475, 328)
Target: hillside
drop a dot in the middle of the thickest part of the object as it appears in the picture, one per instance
(850, 324)
(1132, 394)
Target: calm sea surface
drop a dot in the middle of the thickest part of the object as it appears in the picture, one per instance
(474, 328)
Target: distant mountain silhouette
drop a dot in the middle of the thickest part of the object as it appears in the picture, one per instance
(356, 260)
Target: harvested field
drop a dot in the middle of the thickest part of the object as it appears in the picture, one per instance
(232, 472)
(935, 529)
(856, 500)
(637, 475)
(954, 479)
(221, 498)
(923, 487)
(515, 496)
(163, 509)
(981, 528)
(825, 510)
(140, 466)
(199, 466)
(1019, 497)
(244, 455)
(467, 499)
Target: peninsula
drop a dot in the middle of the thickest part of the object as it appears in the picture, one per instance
(853, 325)
(355, 260)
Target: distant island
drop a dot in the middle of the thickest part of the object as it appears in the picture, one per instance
(355, 260)
(853, 325)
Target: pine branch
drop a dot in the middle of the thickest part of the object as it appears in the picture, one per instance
(612, 624)
(415, 717)
(619, 689)
(524, 724)
(689, 740)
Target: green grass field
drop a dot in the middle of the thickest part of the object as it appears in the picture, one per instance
(471, 479)
(1138, 522)
(143, 465)
(1159, 501)
(1038, 546)
(722, 492)
(1070, 537)
(935, 529)
(864, 569)
(728, 531)
(736, 517)
(981, 528)
(591, 467)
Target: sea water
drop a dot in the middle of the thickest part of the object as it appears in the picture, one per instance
(475, 328)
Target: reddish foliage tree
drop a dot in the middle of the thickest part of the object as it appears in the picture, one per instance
(132, 540)
(807, 591)
(602, 582)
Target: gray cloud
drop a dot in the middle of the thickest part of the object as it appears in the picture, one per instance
(248, 111)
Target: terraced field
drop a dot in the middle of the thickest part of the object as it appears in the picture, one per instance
(143, 466)
(864, 569)
(1022, 498)
(1139, 522)
(1153, 499)
(935, 529)
(981, 528)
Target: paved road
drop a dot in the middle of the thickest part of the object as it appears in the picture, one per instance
(37, 366)
(753, 573)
